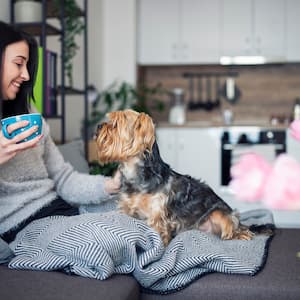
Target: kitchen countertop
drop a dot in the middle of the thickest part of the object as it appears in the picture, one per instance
(209, 124)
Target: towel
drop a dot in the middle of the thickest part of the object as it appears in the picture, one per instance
(98, 245)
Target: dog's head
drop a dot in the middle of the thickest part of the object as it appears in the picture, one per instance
(127, 134)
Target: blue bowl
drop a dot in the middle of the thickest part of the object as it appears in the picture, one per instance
(34, 119)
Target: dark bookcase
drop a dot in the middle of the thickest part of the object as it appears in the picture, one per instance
(50, 88)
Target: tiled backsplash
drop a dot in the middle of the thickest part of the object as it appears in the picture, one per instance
(265, 90)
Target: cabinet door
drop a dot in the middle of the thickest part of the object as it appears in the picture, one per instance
(200, 31)
(236, 27)
(269, 29)
(199, 154)
(293, 146)
(158, 31)
(167, 143)
(292, 31)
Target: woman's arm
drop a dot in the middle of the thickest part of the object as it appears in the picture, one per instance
(74, 187)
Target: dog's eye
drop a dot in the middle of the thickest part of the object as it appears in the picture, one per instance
(99, 126)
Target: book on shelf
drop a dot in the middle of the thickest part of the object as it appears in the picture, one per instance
(38, 86)
(50, 99)
(46, 101)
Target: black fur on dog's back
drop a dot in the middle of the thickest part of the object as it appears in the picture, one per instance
(188, 198)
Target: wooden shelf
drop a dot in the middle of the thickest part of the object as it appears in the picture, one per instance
(70, 91)
(36, 28)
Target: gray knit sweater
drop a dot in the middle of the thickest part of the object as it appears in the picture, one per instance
(35, 177)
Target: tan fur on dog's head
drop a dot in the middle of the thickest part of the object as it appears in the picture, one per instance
(127, 134)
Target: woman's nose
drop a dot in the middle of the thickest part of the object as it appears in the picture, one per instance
(25, 74)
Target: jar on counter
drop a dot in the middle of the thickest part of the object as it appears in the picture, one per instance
(177, 113)
(296, 112)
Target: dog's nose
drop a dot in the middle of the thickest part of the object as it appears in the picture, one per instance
(99, 126)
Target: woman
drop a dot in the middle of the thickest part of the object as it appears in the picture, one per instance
(35, 181)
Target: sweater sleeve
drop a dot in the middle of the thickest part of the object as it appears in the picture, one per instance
(72, 186)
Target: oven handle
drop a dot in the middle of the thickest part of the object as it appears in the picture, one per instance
(231, 146)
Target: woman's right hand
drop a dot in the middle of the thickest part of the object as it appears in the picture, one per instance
(10, 147)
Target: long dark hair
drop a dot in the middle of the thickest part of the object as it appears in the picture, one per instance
(21, 104)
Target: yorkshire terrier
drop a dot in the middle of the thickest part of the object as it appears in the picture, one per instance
(167, 201)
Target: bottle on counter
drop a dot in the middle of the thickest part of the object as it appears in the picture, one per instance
(296, 112)
(177, 113)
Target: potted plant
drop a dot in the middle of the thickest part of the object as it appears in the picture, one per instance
(28, 11)
(73, 26)
(122, 95)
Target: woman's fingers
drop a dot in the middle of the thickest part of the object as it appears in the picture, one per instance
(12, 127)
(14, 148)
(25, 134)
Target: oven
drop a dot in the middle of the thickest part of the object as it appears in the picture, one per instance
(236, 141)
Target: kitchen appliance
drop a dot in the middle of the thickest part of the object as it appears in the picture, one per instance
(177, 111)
(236, 141)
(296, 112)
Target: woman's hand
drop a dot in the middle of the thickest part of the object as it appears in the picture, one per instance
(112, 185)
(10, 147)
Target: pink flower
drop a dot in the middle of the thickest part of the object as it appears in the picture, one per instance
(282, 188)
(249, 176)
(295, 129)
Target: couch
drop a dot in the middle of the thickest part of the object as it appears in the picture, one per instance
(278, 279)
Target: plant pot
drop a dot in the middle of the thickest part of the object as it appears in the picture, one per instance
(28, 11)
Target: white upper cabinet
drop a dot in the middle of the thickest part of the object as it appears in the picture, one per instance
(200, 31)
(158, 31)
(269, 29)
(203, 31)
(253, 28)
(293, 29)
(178, 31)
(236, 30)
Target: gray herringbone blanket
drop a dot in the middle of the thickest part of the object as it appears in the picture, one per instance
(99, 245)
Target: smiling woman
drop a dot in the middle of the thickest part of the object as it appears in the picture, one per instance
(18, 61)
(14, 69)
(35, 181)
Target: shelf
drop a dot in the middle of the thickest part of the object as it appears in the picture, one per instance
(52, 116)
(70, 91)
(45, 28)
(36, 28)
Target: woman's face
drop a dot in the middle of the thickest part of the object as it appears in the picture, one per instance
(14, 71)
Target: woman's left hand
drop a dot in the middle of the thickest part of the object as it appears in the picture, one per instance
(112, 185)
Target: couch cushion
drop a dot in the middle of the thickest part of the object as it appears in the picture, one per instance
(279, 279)
(73, 152)
(36, 285)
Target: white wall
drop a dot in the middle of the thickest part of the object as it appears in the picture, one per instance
(4, 10)
(111, 53)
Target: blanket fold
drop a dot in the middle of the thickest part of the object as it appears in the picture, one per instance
(98, 245)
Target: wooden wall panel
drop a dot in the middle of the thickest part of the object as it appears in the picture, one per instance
(266, 90)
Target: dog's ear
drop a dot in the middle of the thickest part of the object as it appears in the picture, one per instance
(144, 130)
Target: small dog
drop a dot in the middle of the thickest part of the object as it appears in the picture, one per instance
(150, 190)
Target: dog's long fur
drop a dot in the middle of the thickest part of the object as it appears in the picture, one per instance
(150, 190)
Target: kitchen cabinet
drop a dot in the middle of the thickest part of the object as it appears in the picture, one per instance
(292, 30)
(192, 151)
(253, 28)
(292, 146)
(178, 31)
